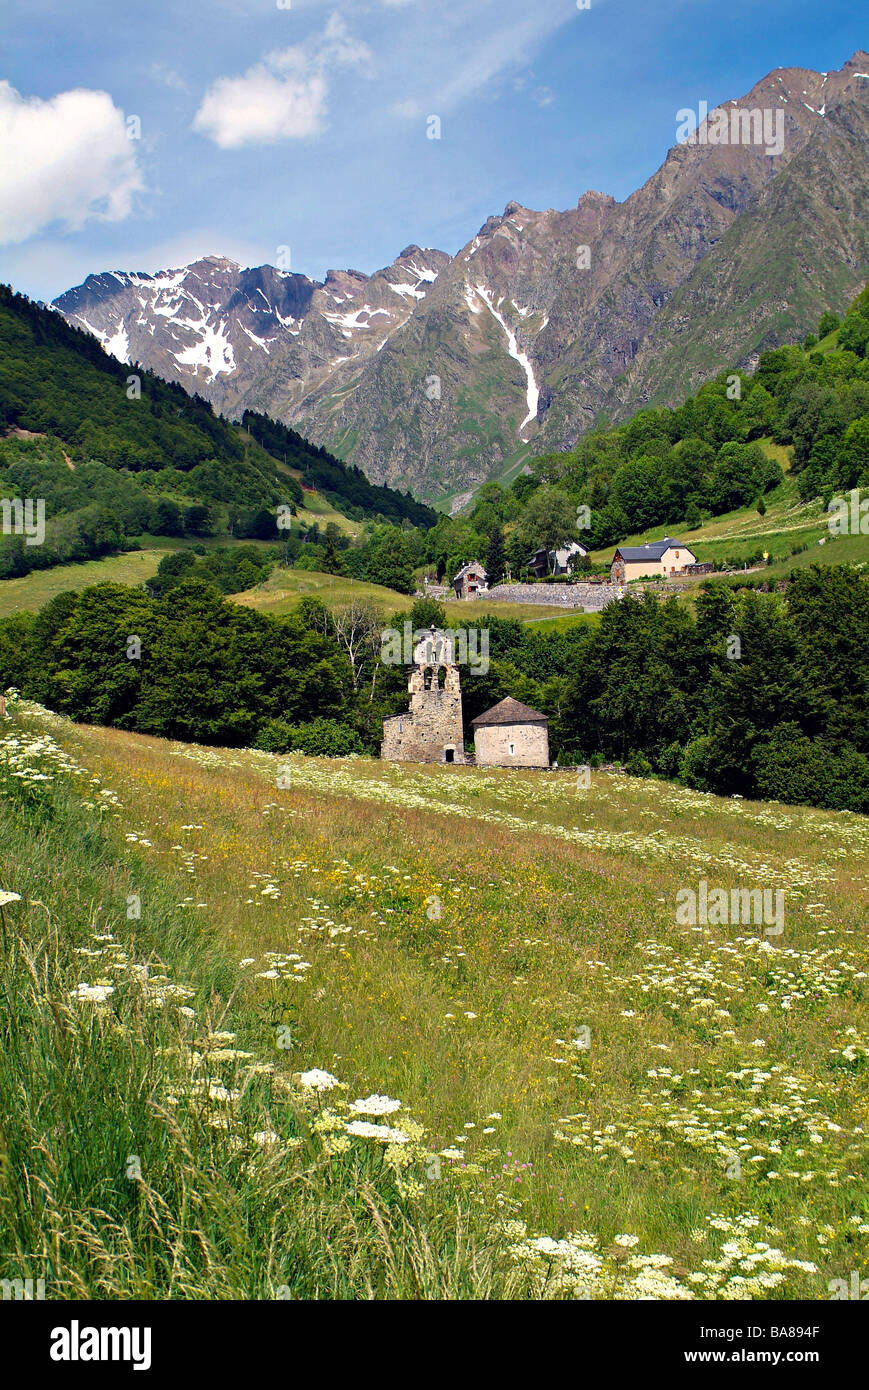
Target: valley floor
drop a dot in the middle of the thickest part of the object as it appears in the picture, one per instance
(616, 1104)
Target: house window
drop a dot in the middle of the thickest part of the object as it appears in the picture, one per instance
(449, 755)
(512, 749)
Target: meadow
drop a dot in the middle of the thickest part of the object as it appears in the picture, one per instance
(30, 592)
(298, 1027)
(282, 591)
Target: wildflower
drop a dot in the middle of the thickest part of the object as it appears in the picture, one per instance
(95, 994)
(316, 1080)
(375, 1105)
(266, 1138)
(363, 1130)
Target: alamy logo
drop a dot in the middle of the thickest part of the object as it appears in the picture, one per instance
(857, 1288)
(848, 516)
(431, 647)
(76, 1343)
(24, 523)
(24, 1290)
(737, 126)
(738, 907)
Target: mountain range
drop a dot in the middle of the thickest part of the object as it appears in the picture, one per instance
(439, 372)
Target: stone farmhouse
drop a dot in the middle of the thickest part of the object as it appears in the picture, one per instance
(511, 734)
(471, 580)
(660, 558)
(431, 731)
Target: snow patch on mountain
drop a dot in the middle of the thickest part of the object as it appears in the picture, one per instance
(260, 342)
(117, 343)
(412, 291)
(213, 353)
(347, 322)
(532, 393)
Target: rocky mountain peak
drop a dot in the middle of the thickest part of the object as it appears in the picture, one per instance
(544, 319)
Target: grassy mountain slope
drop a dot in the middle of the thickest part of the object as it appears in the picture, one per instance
(789, 531)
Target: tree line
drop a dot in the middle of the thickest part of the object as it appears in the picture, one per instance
(755, 694)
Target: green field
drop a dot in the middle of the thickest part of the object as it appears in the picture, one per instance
(285, 587)
(375, 1030)
(32, 591)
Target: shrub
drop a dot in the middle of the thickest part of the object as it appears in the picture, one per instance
(325, 738)
(794, 768)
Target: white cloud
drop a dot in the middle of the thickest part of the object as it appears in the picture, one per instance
(260, 108)
(284, 97)
(67, 159)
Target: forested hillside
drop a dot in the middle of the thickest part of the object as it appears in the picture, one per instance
(700, 460)
(115, 452)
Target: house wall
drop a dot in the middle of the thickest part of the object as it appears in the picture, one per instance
(670, 562)
(622, 571)
(642, 569)
(530, 745)
(470, 585)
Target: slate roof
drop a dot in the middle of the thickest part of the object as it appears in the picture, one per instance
(511, 711)
(653, 551)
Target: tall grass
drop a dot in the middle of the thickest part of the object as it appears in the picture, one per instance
(681, 1110)
(128, 1168)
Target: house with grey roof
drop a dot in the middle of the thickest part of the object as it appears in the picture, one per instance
(657, 559)
(560, 561)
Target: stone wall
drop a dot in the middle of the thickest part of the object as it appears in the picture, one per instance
(590, 597)
(432, 725)
(530, 744)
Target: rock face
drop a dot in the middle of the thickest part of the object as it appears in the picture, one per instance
(438, 373)
(259, 339)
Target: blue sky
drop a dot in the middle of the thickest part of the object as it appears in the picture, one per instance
(305, 127)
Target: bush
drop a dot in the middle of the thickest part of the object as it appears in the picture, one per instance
(324, 738)
(694, 765)
(638, 766)
(794, 768)
(670, 759)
